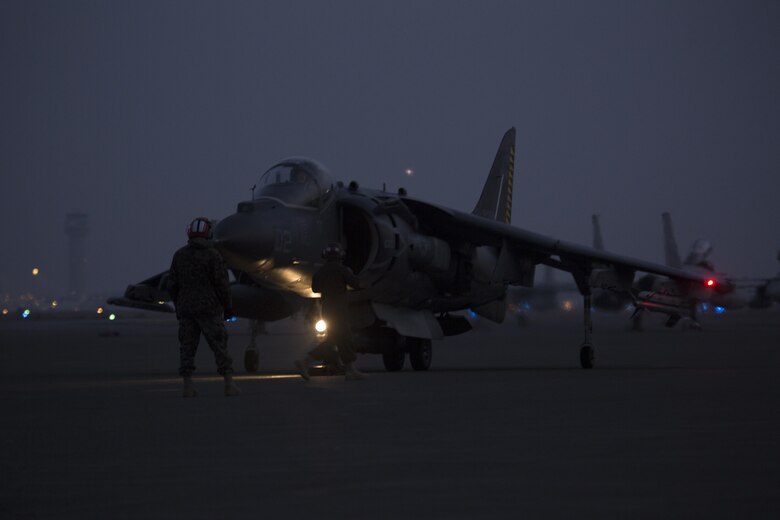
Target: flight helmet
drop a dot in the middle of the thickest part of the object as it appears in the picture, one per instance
(199, 228)
(333, 251)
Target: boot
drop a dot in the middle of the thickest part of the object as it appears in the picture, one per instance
(189, 388)
(230, 386)
(302, 366)
(353, 374)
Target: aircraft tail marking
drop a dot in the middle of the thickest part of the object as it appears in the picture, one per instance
(670, 244)
(496, 199)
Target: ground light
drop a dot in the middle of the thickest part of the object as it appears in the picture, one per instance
(320, 326)
(112, 316)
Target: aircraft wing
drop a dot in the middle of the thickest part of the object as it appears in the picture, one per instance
(748, 283)
(150, 294)
(249, 300)
(524, 246)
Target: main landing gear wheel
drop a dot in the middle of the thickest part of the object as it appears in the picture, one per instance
(394, 360)
(420, 353)
(586, 356)
(251, 360)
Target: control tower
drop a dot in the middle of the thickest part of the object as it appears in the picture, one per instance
(76, 227)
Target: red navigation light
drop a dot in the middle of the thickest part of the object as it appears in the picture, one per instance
(710, 283)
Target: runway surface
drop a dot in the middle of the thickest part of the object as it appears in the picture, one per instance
(669, 424)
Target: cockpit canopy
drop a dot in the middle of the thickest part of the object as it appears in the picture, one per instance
(297, 181)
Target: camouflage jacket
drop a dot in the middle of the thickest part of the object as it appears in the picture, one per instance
(198, 280)
(331, 280)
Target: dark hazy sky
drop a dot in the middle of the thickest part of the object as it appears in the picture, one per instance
(146, 114)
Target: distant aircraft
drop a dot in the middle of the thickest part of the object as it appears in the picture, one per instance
(767, 290)
(545, 296)
(697, 262)
(607, 300)
(418, 262)
(649, 290)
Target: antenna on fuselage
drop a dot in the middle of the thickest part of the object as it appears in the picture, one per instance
(252, 189)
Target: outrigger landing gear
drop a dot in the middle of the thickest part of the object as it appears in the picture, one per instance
(251, 360)
(420, 353)
(586, 351)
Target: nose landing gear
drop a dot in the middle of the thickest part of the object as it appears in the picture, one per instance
(251, 359)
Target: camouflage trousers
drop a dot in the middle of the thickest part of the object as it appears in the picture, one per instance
(214, 331)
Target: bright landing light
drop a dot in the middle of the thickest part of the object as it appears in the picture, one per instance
(321, 326)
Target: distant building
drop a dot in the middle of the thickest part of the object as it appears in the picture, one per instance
(77, 229)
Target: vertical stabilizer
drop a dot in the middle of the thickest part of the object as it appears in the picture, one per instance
(598, 242)
(700, 250)
(670, 244)
(496, 199)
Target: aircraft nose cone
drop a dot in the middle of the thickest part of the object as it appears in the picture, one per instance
(245, 239)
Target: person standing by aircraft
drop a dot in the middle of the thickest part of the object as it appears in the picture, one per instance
(198, 285)
(331, 281)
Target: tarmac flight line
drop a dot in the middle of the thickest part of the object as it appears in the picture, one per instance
(505, 424)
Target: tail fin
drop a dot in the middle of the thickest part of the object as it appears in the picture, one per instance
(598, 242)
(700, 250)
(496, 199)
(670, 244)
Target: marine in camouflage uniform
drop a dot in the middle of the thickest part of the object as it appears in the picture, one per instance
(198, 284)
(331, 281)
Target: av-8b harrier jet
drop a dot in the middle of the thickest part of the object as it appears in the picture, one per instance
(419, 263)
(696, 262)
